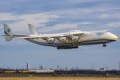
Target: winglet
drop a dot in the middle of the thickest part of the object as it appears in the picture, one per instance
(33, 31)
(8, 32)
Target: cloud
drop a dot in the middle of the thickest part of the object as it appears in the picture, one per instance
(113, 24)
(36, 6)
(76, 1)
(67, 18)
(109, 15)
(65, 26)
(7, 16)
(61, 26)
(37, 19)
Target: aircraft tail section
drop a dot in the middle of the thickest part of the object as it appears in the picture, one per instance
(9, 34)
(33, 31)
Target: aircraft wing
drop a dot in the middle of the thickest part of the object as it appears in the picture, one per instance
(68, 35)
(46, 37)
(73, 34)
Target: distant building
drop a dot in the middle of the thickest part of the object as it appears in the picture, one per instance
(41, 67)
(28, 66)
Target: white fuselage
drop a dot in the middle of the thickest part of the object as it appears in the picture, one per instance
(63, 41)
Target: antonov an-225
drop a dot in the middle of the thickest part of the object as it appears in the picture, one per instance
(67, 40)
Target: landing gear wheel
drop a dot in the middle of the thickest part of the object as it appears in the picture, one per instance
(104, 45)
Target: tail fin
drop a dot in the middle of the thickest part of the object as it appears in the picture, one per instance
(8, 32)
(33, 31)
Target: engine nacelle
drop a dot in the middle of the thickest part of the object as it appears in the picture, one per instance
(50, 40)
(75, 38)
(63, 39)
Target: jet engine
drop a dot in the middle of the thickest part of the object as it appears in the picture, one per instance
(75, 38)
(63, 39)
(50, 40)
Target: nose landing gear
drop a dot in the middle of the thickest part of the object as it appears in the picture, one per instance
(104, 45)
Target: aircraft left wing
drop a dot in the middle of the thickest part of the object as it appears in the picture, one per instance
(46, 37)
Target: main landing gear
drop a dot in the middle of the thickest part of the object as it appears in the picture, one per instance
(67, 47)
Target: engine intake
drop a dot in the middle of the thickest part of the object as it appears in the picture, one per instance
(75, 38)
(50, 40)
(63, 39)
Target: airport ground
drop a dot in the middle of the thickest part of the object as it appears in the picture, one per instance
(7, 74)
(59, 78)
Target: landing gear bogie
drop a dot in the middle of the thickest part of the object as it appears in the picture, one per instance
(67, 47)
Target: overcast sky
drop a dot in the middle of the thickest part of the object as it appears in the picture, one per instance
(52, 16)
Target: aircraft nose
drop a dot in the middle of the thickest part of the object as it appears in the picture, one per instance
(114, 37)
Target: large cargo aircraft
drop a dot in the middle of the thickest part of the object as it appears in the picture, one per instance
(68, 40)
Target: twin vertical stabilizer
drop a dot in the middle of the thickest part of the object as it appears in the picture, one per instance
(8, 32)
(33, 31)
